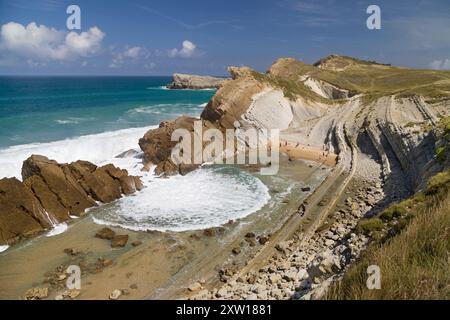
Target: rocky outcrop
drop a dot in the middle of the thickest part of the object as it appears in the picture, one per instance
(20, 212)
(157, 145)
(189, 81)
(51, 192)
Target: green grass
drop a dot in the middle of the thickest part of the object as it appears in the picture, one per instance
(413, 256)
(371, 79)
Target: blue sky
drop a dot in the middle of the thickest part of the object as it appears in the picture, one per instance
(138, 37)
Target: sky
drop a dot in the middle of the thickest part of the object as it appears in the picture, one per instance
(137, 37)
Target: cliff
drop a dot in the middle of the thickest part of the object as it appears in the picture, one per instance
(189, 81)
(313, 104)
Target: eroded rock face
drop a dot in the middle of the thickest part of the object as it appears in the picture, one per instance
(157, 145)
(233, 99)
(189, 81)
(64, 185)
(51, 192)
(20, 212)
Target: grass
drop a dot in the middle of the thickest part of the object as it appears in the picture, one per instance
(443, 147)
(413, 256)
(371, 79)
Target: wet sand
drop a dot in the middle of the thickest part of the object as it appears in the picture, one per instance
(163, 260)
(296, 151)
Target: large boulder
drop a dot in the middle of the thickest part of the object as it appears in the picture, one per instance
(47, 198)
(64, 185)
(189, 81)
(51, 192)
(95, 181)
(157, 145)
(20, 212)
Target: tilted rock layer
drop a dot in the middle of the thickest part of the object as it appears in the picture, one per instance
(312, 105)
(51, 192)
(189, 81)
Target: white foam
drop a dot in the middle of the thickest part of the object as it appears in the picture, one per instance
(3, 248)
(96, 148)
(57, 229)
(164, 108)
(204, 198)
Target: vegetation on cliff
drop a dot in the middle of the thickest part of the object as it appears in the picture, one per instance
(411, 242)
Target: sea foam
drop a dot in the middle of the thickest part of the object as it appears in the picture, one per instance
(96, 148)
(208, 197)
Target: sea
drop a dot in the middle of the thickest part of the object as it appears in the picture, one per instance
(98, 118)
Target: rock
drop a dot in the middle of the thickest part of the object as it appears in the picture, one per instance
(157, 145)
(189, 81)
(128, 154)
(20, 212)
(71, 294)
(47, 198)
(105, 233)
(71, 252)
(136, 243)
(51, 192)
(252, 296)
(277, 294)
(250, 235)
(329, 243)
(36, 294)
(371, 200)
(119, 241)
(323, 264)
(236, 250)
(209, 232)
(115, 294)
(195, 287)
(64, 185)
(262, 240)
(251, 279)
(62, 277)
(105, 262)
(274, 278)
(282, 247)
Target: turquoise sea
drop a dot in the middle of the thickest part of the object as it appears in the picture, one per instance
(44, 109)
(98, 118)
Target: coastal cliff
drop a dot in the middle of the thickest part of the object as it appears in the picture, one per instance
(305, 102)
(388, 127)
(195, 82)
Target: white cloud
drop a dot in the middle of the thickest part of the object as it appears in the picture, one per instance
(187, 50)
(40, 42)
(132, 52)
(443, 64)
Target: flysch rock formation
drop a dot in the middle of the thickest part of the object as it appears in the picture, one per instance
(381, 121)
(51, 192)
(195, 82)
(307, 103)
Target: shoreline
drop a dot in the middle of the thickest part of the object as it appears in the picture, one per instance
(174, 249)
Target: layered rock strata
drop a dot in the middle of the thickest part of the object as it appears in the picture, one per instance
(51, 192)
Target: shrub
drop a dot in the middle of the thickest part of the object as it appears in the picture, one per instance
(368, 226)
